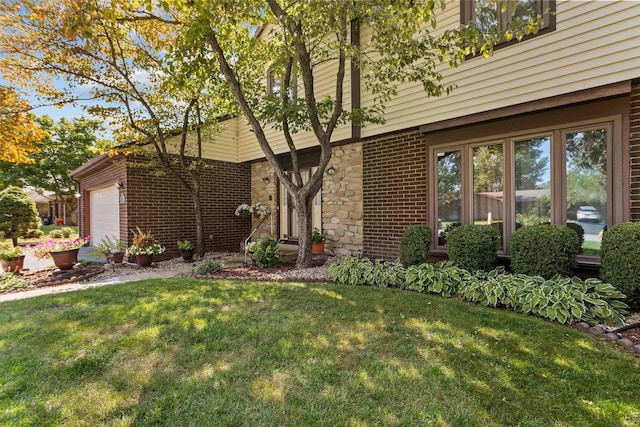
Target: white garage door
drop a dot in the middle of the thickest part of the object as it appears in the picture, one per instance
(104, 214)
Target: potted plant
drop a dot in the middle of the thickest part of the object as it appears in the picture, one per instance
(64, 253)
(112, 248)
(317, 242)
(11, 258)
(144, 247)
(186, 249)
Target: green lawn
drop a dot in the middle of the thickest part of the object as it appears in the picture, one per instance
(46, 229)
(188, 352)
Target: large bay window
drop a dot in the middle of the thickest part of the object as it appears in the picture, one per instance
(560, 174)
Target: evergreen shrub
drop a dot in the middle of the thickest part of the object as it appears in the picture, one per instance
(414, 245)
(620, 260)
(544, 250)
(579, 231)
(473, 247)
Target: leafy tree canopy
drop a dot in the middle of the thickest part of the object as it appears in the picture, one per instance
(68, 145)
(18, 132)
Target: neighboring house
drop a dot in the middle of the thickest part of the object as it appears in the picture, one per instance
(51, 208)
(544, 126)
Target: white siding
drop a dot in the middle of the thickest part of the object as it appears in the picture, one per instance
(595, 43)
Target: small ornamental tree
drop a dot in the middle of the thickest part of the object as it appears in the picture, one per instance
(19, 214)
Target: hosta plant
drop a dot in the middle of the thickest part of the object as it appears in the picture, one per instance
(561, 299)
(442, 278)
(363, 272)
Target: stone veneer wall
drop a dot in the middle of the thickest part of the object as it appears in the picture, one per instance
(342, 220)
(266, 194)
(395, 190)
(161, 204)
(634, 151)
(342, 214)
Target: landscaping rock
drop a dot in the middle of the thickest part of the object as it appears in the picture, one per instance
(611, 336)
(597, 331)
(626, 343)
(582, 326)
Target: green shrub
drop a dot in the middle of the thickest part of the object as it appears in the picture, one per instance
(415, 244)
(363, 272)
(207, 266)
(442, 278)
(580, 232)
(66, 232)
(56, 233)
(19, 215)
(33, 234)
(473, 247)
(11, 282)
(265, 252)
(544, 250)
(561, 299)
(442, 236)
(620, 260)
(346, 271)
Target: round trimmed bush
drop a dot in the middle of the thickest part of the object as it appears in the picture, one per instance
(579, 231)
(620, 260)
(415, 244)
(473, 247)
(56, 233)
(544, 250)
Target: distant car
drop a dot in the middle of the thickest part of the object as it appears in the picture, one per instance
(588, 214)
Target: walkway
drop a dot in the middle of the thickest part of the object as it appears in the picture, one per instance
(34, 264)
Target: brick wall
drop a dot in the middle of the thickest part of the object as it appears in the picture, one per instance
(634, 151)
(161, 204)
(394, 190)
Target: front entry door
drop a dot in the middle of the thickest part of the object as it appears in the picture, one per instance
(288, 216)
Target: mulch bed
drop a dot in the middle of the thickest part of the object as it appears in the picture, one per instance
(250, 272)
(632, 334)
(51, 277)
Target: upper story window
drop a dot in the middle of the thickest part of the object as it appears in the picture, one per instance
(485, 14)
(274, 85)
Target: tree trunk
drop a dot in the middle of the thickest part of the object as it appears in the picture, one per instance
(197, 209)
(303, 205)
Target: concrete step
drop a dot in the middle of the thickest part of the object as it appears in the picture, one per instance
(288, 252)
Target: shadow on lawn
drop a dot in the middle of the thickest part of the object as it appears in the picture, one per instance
(229, 353)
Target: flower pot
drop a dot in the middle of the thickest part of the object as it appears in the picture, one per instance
(117, 257)
(317, 248)
(144, 260)
(65, 260)
(187, 255)
(13, 265)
